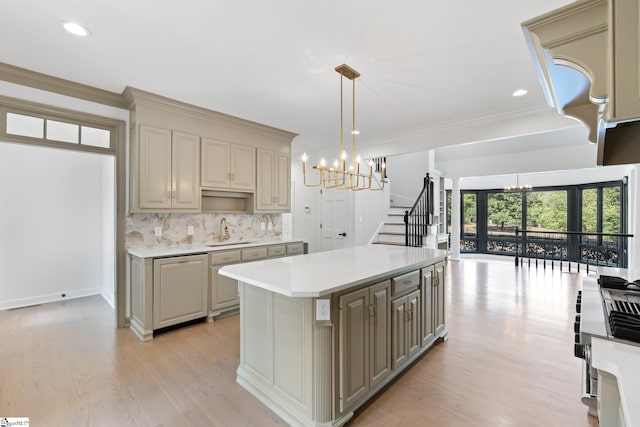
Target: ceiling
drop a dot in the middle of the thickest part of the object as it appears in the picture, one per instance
(424, 64)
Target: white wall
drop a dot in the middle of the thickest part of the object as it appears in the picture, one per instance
(568, 177)
(306, 208)
(406, 172)
(371, 209)
(52, 224)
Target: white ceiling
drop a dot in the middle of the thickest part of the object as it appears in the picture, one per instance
(423, 63)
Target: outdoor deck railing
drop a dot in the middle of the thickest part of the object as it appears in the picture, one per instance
(564, 248)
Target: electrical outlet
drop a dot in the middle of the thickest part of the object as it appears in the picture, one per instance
(270, 226)
(158, 231)
(189, 230)
(323, 309)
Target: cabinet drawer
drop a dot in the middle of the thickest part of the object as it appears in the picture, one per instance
(226, 257)
(254, 254)
(405, 282)
(295, 249)
(274, 251)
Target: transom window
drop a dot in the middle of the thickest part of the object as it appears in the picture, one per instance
(55, 130)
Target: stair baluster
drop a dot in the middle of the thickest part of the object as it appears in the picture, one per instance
(417, 220)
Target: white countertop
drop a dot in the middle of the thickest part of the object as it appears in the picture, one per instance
(164, 251)
(323, 273)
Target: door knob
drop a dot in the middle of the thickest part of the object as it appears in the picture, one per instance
(342, 234)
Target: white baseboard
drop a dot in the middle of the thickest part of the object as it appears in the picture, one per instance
(108, 297)
(42, 299)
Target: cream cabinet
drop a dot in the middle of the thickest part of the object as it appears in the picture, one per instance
(427, 330)
(179, 290)
(223, 291)
(165, 172)
(438, 298)
(165, 291)
(227, 166)
(364, 341)
(405, 336)
(274, 181)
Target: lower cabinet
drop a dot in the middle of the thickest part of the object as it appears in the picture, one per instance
(432, 294)
(405, 338)
(438, 298)
(427, 331)
(365, 357)
(179, 289)
(223, 291)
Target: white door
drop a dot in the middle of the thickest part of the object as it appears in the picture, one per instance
(336, 219)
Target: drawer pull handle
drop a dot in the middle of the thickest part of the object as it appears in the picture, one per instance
(407, 282)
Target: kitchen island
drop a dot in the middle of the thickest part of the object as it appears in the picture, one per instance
(321, 333)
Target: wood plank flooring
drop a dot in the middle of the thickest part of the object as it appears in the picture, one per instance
(508, 362)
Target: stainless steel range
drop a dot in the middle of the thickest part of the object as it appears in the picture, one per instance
(607, 337)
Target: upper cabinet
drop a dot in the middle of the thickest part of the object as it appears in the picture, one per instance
(587, 57)
(274, 181)
(165, 171)
(227, 166)
(178, 150)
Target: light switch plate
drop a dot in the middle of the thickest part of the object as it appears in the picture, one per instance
(323, 309)
(158, 231)
(263, 226)
(189, 230)
(270, 226)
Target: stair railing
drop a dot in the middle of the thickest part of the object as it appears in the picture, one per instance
(417, 220)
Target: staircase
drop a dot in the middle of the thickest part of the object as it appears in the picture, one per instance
(393, 230)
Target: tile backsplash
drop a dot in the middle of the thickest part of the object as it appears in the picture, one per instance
(140, 228)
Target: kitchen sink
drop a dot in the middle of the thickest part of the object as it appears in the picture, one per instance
(213, 245)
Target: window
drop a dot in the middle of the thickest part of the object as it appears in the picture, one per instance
(547, 210)
(469, 222)
(550, 215)
(53, 130)
(504, 215)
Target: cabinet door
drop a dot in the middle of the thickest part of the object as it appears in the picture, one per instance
(186, 171)
(354, 346)
(399, 347)
(223, 290)
(438, 298)
(179, 290)
(282, 182)
(154, 168)
(380, 332)
(426, 316)
(413, 323)
(243, 167)
(264, 192)
(216, 169)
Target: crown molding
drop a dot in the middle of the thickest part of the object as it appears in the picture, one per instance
(469, 122)
(33, 79)
(135, 97)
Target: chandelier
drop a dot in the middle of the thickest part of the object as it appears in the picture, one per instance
(342, 175)
(518, 187)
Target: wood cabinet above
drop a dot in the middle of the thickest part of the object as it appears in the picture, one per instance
(226, 157)
(587, 57)
(227, 166)
(165, 172)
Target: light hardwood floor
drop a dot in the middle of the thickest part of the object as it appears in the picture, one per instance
(508, 362)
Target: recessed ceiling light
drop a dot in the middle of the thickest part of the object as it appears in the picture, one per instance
(355, 132)
(76, 29)
(520, 92)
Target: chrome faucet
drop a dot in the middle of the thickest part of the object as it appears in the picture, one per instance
(224, 232)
